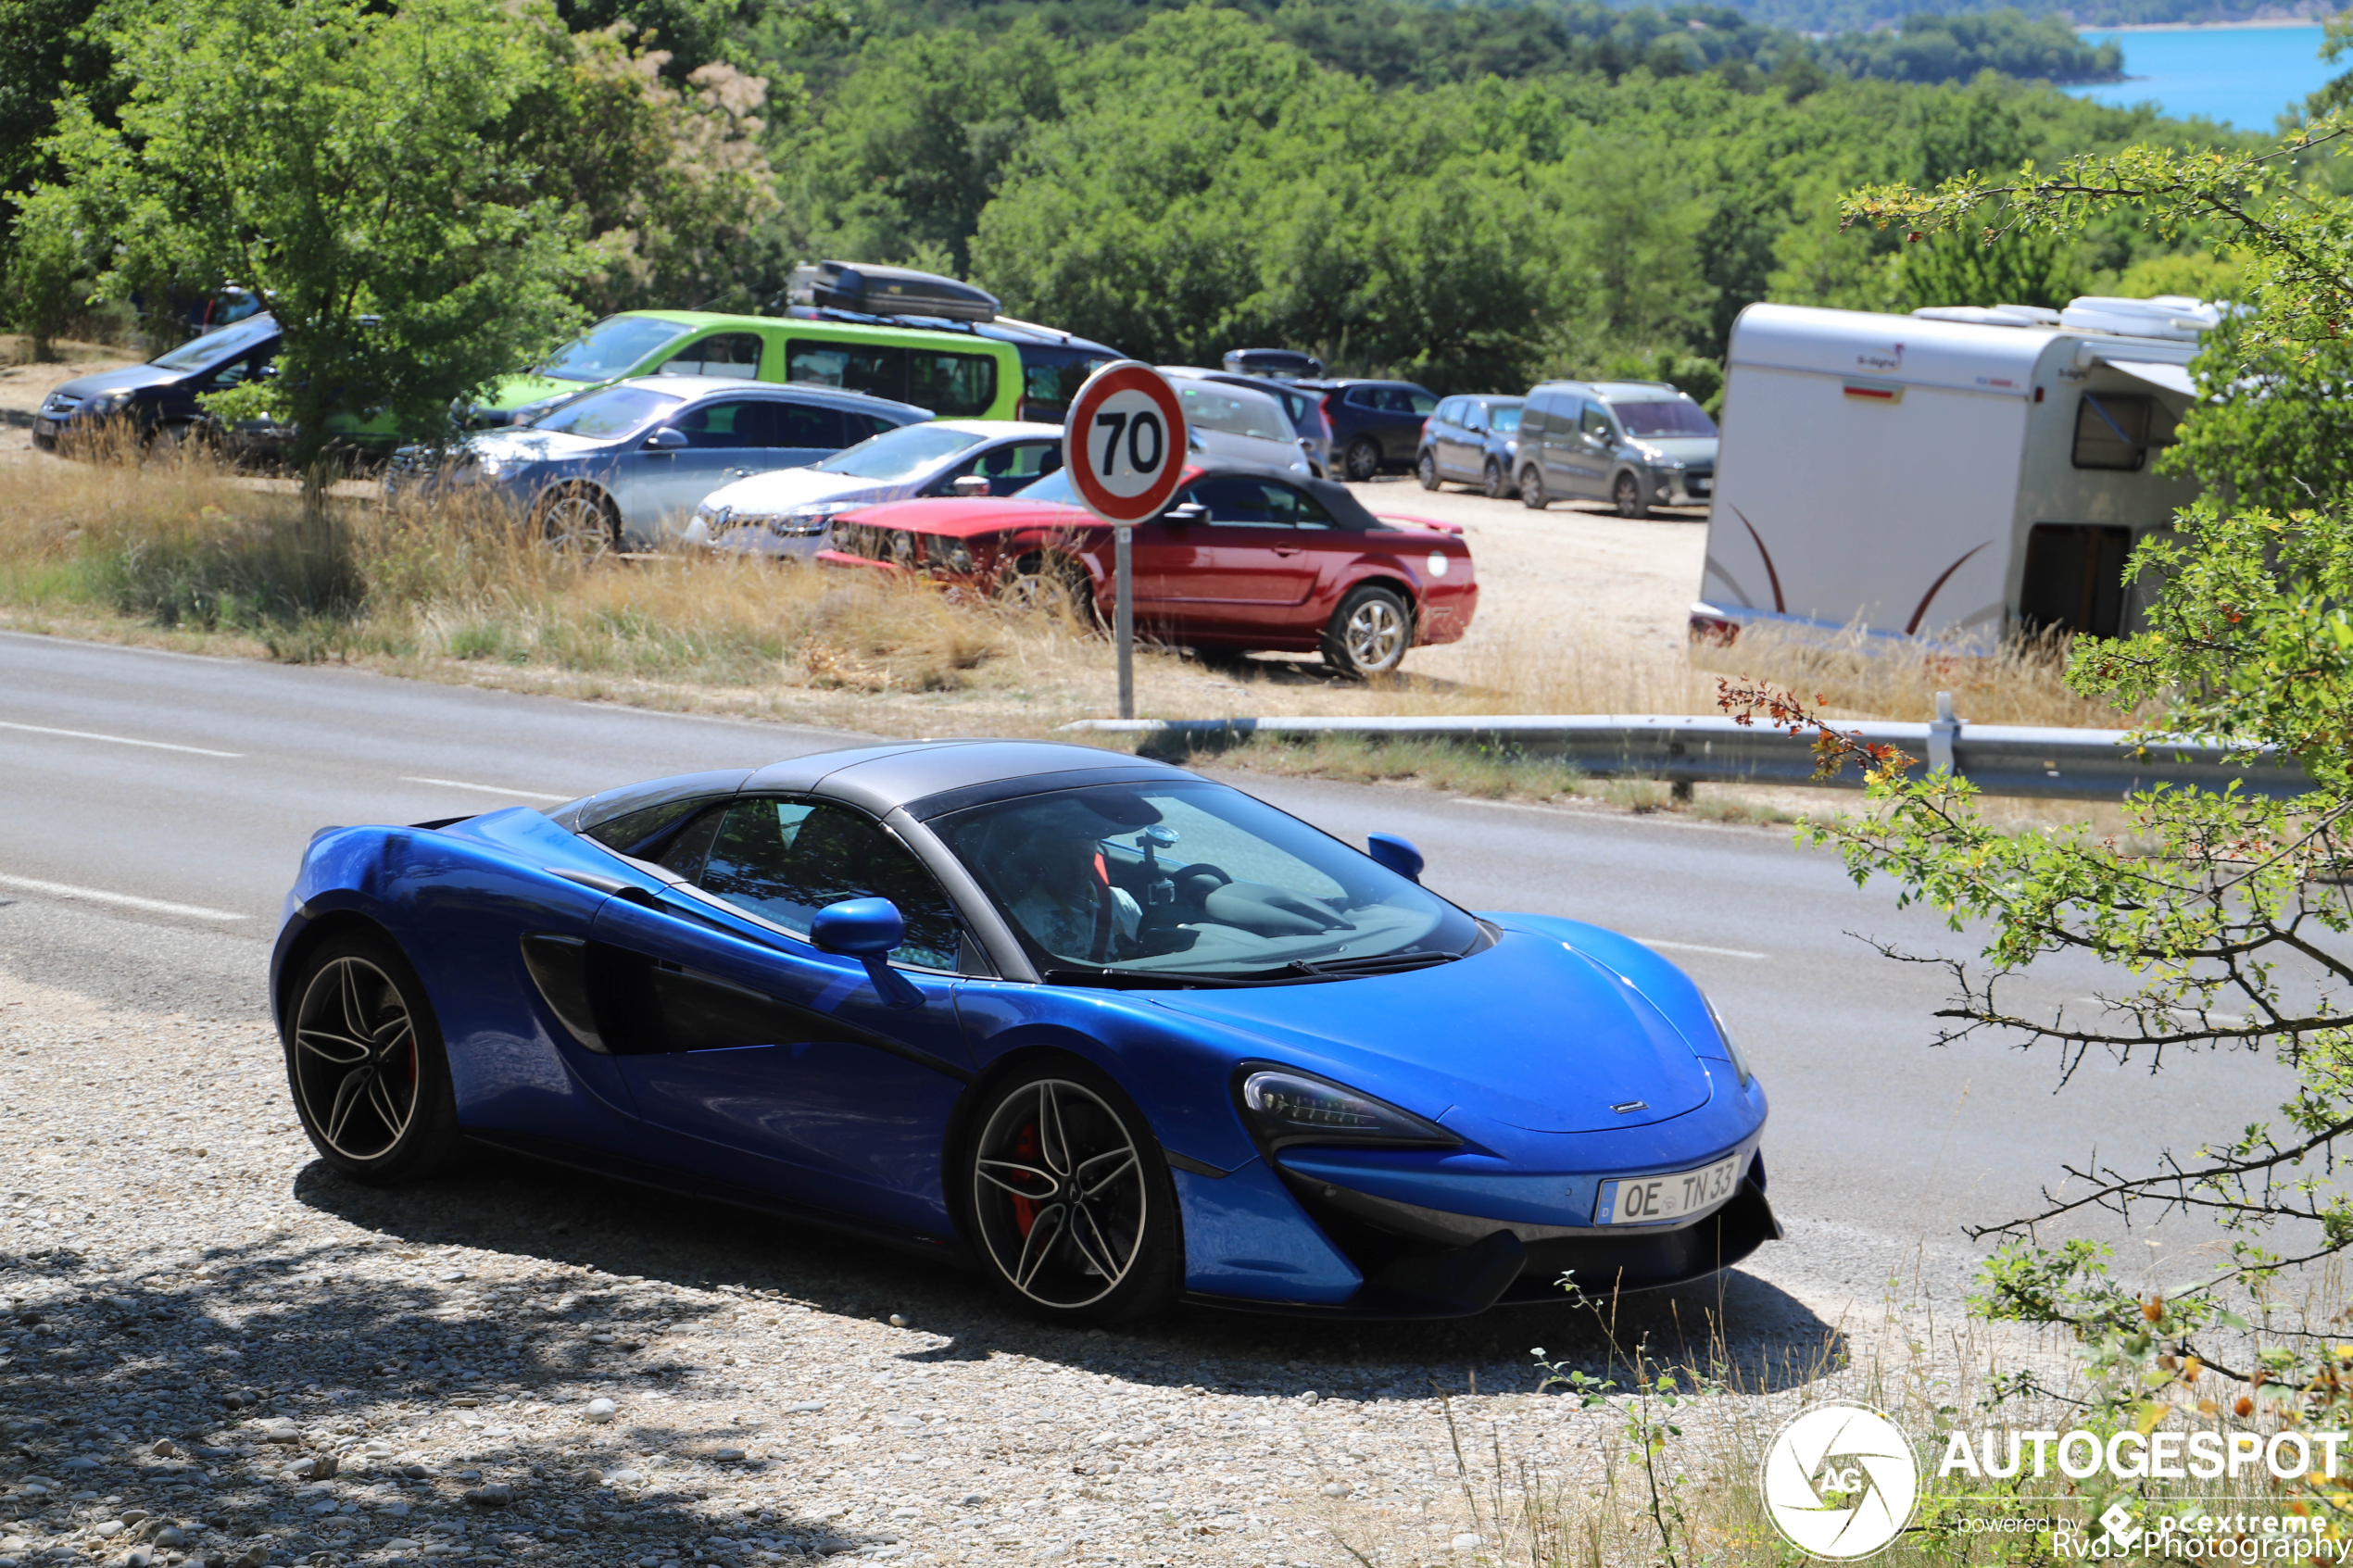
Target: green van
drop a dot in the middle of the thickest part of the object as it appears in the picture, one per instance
(954, 376)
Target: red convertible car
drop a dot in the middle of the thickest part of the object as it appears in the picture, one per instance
(1242, 558)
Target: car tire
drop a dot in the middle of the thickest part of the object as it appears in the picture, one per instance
(1068, 1199)
(1056, 584)
(1370, 632)
(1362, 461)
(1496, 482)
(1531, 489)
(365, 1061)
(1627, 493)
(578, 520)
(1425, 470)
(173, 442)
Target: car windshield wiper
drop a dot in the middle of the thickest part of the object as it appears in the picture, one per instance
(1146, 979)
(1375, 964)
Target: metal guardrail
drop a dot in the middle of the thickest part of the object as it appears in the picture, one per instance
(2016, 760)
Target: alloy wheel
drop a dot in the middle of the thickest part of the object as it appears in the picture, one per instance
(355, 1058)
(1497, 485)
(1059, 1194)
(1362, 459)
(575, 523)
(1375, 635)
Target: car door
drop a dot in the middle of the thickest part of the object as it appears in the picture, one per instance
(1445, 437)
(1246, 569)
(726, 439)
(1597, 448)
(768, 1061)
(1557, 446)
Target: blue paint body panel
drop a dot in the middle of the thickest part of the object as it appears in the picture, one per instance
(1561, 1055)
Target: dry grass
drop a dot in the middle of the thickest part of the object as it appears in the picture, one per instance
(185, 553)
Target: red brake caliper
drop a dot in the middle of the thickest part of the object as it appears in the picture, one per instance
(1025, 1150)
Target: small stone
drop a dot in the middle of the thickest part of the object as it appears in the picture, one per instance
(165, 1447)
(108, 1530)
(1336, 1489)
(805, 1406)
(1468, 1542)
(79, 1461)
(138, 1557)
(302, 1468)
(497, 1494)
(728, 1456)
(896, 1321)
(972, 1500)
(623, 1478)
(171, 1538)
(1311, 1397)
(401, 1543)
(600, 1411)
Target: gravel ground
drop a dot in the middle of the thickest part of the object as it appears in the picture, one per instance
(213, 1349)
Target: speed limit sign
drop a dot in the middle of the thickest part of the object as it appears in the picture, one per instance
(1125, 447)
(1125, 443)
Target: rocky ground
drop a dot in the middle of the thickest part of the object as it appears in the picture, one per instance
(214, 1351)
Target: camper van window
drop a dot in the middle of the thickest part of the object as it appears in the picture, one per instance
(2112, 431)
(950, 386)
(1597, 427)
(721, 354)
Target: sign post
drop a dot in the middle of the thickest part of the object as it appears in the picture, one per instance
(1124, 445)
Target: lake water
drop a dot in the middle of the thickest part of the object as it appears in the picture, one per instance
(2241, 76)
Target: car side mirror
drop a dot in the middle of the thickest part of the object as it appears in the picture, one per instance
(1185, 512)
(1387, 849)
(969, 484)
(868, 930)
(265, 372)
(666, 439)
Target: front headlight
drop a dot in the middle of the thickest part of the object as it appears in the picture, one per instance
(107, 403)
(1731, 1046)
(498, 465)
(805, 523)
(1283, 1106)
(950, 554)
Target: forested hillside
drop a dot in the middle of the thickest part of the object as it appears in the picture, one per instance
(1203, 181)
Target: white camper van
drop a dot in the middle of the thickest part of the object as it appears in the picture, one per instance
(1953, 474)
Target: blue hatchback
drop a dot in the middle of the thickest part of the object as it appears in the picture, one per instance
(1109, 1033)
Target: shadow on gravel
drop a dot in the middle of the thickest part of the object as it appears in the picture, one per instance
(1736, 1328)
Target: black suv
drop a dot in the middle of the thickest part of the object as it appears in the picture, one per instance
(1376, 425)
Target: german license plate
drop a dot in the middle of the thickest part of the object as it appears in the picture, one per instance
(45, 427)
(1650, 1201)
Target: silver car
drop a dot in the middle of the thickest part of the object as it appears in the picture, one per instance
(625, 467)
(787, 514)
(1636, 444)
(1237, 423)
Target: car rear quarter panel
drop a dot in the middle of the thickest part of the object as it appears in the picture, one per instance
(459, 905)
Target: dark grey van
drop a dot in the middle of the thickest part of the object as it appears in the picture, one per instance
(1636, 444)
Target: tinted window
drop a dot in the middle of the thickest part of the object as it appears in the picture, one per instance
(1594, 421)
(1505, 418)
(1451, 411)
(952, 385)
(617, 410)
(2112, 431)
(804, 425)
(721, 354)
(785, 859)
(1234, 499)
(635, 831)
(1667, 418)
(734, 422)
(613, 346)
(1420, 402)
(1209, 406)
(1010, 467)
(1363, 397)
(1052, 377)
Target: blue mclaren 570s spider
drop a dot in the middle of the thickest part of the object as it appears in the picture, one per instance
(1113, 1034)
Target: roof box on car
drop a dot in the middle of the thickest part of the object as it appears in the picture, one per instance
(1272, 362)
(889, 290)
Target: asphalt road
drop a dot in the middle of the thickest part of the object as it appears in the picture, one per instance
(158, 804)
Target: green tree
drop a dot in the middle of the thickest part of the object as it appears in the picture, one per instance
(2221, 914)
(342, 161)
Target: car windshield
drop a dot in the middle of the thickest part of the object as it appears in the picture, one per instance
(616, 410)
(898, 454)
(612, 347)
(1208, 407)
(1505, 419)
(1055, 487)
(203, 353)
(1667, 419)
(1192, 880)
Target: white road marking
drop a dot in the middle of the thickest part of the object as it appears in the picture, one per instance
(1516, 806)
(96, 895)
(1696, 947)
(119, 740)
(488, 789)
